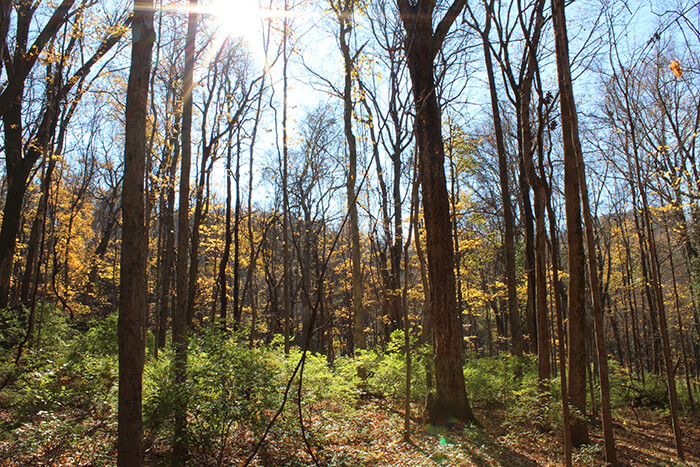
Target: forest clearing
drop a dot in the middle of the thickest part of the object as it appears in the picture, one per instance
(349, 232)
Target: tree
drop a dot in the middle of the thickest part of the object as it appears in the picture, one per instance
(313, 181)
(421, 44)
(577, 266)
(180, 316)
(132, 301)
(640, 105)
(227, 99)
(530, 67)
(344, 12)
(286, 258)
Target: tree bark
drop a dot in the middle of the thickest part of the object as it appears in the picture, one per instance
(180, 317)
(132, 301)
(577, 274)
(286, 260)
(421, 45)
(344, 13)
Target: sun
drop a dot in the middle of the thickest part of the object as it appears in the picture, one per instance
(237, 18)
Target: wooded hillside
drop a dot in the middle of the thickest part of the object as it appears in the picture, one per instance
(349, 232)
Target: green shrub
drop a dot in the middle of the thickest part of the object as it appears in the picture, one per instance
(51, 337)
(13, 325)
(63, 399)
(101, 337)
(386, 371)
(338, 383)
(621, 392)
(653, 394)
(53, 332)
(228, 385)
(346, 369)
(588, 454)
(159, 395)
(533, 408)
(231, 378)
(64, 371)
(496, 380)
(87, 383)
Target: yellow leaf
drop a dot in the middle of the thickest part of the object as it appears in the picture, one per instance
(676, 68)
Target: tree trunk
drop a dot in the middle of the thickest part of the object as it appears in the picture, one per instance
(659, 298)
(344, 13)
(646, 275)
(237, 241)
(180, 317)
(286, 263)
(577, 274)
(421, 45)
(197, 219)
(389, 269)
(395, 107)
(559, 307)
(132, 302)
(18, 169)
(5, 15)
(627, 281)
(228, 237)
(528, 220)
(251, 237)
(168, 228)
(539, 192)
(681, 333)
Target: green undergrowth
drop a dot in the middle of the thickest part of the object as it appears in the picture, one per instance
(60, 407)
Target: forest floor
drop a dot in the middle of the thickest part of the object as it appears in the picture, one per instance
(373, 436)
(370, 434)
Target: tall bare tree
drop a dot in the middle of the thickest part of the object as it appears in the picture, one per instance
(180, 318)
(132, 302)
(577, 265)
(286, 258)
(422, 43)
(344, 10)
